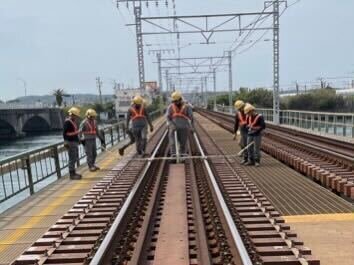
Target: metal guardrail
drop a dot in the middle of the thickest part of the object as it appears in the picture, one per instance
(30, 171)
(340, 124)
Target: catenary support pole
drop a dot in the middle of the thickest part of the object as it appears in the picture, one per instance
(159, 70)
(214, 81)
(230, 80)
(276, 99)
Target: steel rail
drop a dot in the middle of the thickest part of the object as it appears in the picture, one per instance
(236, 237)
(101, 252)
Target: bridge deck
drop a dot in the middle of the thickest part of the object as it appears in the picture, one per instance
(320, 218)
(23, 224)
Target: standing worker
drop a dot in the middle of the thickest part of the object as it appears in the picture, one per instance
(71, 140)
(255, 125)
(241, 122)
(139, 118)
(180, 120)
(88, 133)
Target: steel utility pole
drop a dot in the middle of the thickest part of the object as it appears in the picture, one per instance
(230, 80)
(206, 92)
(140, 46)
(167, 86)
(202, 89)
(159, 70)
(214, 81)
(24, 85)
(99, 86)
(276, 98)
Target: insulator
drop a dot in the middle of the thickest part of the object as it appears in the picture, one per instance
(166, 3)
(147, 3)
(157, 3)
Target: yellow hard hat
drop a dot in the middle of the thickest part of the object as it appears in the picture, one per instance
(176, 96)
(248, 108)
(74, 111)
(239, 104)
(138, 100)
(91, 113)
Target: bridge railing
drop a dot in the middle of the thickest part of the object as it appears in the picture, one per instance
(11, 106)
(340, 124)
(24, 174)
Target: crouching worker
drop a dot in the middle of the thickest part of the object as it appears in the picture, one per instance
(71, 140)
(88, 132)
(139, 118)
(255, 125)
(180, 120)
(241, 123)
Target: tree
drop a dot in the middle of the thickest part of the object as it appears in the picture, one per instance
(260, 97)
(59, 94)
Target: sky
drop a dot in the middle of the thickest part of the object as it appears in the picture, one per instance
(67, 44)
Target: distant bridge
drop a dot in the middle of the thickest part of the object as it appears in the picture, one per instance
(19, 122)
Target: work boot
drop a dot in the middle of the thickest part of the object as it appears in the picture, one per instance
(96, 167)
(92, 169)
(250, 163)
(243, 161)
(74, 175)
(121, 151)
(257, 164)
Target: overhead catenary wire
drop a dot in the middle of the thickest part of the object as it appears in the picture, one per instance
(249, 33)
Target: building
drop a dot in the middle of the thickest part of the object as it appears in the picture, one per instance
(124, 98)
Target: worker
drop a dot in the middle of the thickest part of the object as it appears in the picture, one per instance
(180, 120)
(255, 125)
(88, 133)
(139, 118)
(71, 140)
(241, 123)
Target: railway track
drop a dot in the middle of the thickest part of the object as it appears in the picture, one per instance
(326, 161)
(154, 212)
(143, 212)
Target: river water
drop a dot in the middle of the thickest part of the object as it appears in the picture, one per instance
(10, 148)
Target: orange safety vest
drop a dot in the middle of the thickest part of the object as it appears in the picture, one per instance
(252, 124)
(136, 114)
(179, 113)
(92, 127)
(76, 130)
(242, 118)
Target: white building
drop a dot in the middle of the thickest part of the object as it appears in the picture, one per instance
(124, 98)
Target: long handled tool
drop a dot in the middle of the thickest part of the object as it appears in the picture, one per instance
(177, 147)
(245, 148)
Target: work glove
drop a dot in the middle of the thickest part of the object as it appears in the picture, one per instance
(172, 127)
(252, 132)
(151, 128)
(192, 129)
(235, 137)
(82, 142)
(66, 144)
(103, 144)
